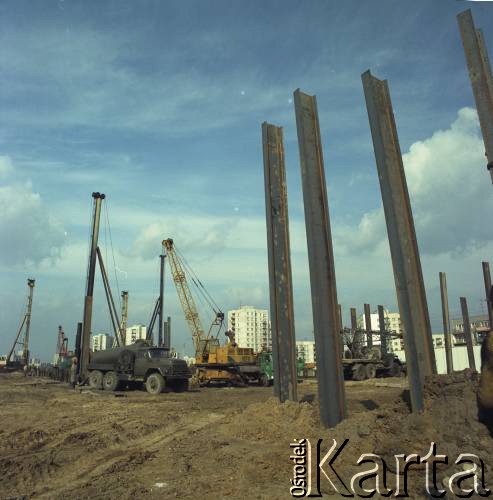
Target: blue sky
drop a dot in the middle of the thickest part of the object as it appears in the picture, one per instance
(159, 105)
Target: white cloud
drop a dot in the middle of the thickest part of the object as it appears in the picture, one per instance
(192, 232)
(450, 188)
(5, 166)
(450, 193)
(367, 235)
(29, 233)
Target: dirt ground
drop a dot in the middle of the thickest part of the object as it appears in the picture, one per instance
(216, 442)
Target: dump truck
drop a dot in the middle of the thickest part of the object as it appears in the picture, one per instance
(139, 363)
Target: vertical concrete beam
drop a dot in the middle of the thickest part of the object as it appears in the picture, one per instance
(446, 323)
(487, 291)
(321, 263)
(383, 331)
(408, 276)
(467, 332)
(481, 80)
(279, 257)
(369, 335)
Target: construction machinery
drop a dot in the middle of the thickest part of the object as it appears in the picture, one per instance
(361, 362)
(22, 339)
(62, 343)
(122, 365)
(111, 369)
(215, 363)
(83, 340)
(63, 355)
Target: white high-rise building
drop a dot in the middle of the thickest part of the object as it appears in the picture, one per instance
(305, 349)
(251, 327)
(101, 341)
(393, 321)
(134, 333)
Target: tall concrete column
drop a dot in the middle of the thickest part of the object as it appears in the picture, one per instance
(279, 258)
(406, 263)
(321, 263)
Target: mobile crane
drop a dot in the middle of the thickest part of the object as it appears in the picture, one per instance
(215, 363)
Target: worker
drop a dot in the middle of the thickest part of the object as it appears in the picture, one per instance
(25, 370)
(73, 372)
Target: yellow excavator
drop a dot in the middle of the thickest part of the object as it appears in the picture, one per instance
(215, 363)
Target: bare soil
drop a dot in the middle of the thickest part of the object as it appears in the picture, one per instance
(216, 442)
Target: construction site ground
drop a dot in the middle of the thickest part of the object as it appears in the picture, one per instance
(56, 442)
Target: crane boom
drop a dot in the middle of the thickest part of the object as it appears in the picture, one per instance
(185, 295)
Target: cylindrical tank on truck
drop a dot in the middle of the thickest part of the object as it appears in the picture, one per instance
(111, 369)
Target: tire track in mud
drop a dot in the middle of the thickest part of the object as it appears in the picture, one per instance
(128, 455)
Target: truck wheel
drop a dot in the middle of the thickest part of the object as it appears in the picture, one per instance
(96, 379)
(370, 371)
(110, 381)
(359, 372)
(155, 383)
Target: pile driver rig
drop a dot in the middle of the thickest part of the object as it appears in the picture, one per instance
(24, 339)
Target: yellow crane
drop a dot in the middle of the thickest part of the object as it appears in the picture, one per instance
(215, 363)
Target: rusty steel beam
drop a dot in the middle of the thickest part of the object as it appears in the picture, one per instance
(446, 323)
(369, 335)
(341, 321)
(357, 338)
(279, 258)
(408, 275)
(487, 291)
(481, 80)
(383, 331)
(467, 333)
(321, 263)
(354, 321)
